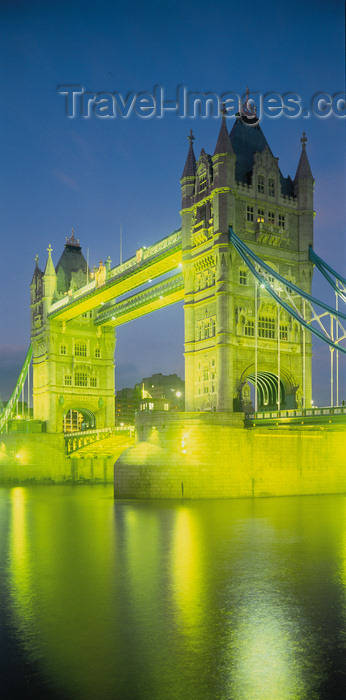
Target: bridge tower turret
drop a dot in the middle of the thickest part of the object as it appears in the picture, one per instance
(73, 361)
(242, 186)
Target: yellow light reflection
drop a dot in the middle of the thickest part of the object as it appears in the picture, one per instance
(20, 566)
(263, 648)
(187, 582)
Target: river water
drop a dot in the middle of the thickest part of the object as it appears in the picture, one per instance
(171, 600)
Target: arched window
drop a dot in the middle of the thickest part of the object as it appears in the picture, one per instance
(80, 349)
(202, 179)
(271, 187)
(80, 379)
(260, 184)
(266, 327)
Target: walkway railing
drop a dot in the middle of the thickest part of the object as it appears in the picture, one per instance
(296, 415)
(78, 439)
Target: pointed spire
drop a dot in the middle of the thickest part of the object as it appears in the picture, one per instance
(37, 271)
(223, 144)
(190, 165)
(303, 170)
(49, 269)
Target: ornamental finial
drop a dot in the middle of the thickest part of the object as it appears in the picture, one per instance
(303, 140)
(191, 137)
(50, 249)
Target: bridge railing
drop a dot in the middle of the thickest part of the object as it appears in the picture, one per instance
(81, 438)
(297, 413)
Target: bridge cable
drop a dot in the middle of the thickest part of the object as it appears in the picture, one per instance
(235, 240)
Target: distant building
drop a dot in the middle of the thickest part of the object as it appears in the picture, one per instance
(126, 405)
(165, 392)
(161, 386)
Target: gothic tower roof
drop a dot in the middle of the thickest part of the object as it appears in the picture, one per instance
(223, 144)
(72, 265)
(190, 164)
(37, 271)
(303, 170)
(247, 140)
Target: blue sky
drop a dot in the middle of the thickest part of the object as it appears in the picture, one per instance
(95, 174)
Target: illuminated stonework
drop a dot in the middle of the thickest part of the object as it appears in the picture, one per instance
(241, 186)
(73, 361)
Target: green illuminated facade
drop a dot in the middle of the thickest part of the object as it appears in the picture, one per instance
(242, 186)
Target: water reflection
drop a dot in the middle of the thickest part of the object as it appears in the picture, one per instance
(228, 599)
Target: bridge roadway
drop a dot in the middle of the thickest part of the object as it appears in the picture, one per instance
(148, 263)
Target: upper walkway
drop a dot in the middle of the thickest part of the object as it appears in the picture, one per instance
(148, 264)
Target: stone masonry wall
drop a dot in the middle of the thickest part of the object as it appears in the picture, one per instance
(206, 456)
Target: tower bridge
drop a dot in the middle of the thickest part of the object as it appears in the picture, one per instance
(242, 262)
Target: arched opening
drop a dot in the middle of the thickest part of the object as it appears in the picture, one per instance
(268, 397)
(76, 419)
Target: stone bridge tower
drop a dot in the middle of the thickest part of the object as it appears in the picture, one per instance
(241, 185)
(73, 361)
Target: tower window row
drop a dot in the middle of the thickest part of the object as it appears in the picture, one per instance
(80, 379)
(205, 279)
(261, 216)
(205, 328)
(266, 328)
(80, 350)
(261, 185)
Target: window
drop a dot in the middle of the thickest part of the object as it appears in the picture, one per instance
(68, 380)
(80, 349)
(201, 213)
(283, 332)
(282, 220)
(202, 180)
(97, 352)
(271, 187)
(81, 379)
(266, 327)
(271, 217)
(242, 277)
(260, 184)
(206, 390)
(211, 276)
(151, 406)
(249, 213)
(260, 216)
(206, 329)
(206, 375)
(249, 328)
(93, 382)
(62, 349)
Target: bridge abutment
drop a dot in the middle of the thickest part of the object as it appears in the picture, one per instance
(213, 456)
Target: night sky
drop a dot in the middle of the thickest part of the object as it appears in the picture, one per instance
(96, 173)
